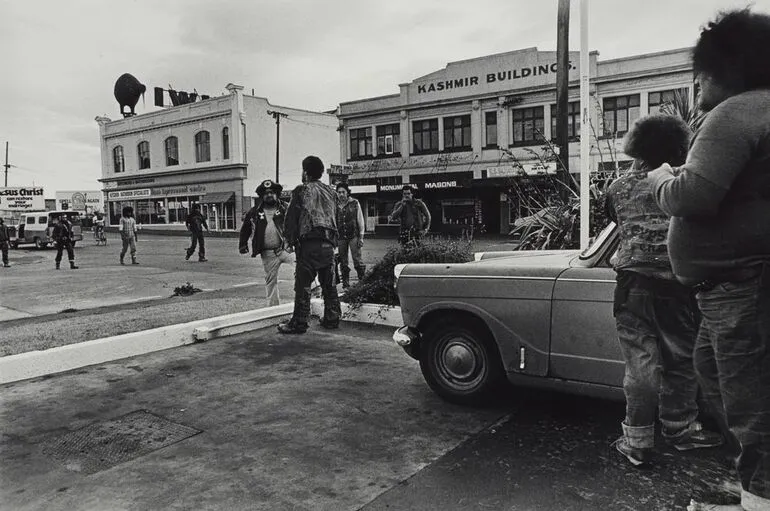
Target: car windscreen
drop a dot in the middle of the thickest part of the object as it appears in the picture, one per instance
(598, 242)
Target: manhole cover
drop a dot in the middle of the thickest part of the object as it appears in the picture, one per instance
(102, 445)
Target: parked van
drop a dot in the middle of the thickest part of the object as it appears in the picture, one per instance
(37, 227)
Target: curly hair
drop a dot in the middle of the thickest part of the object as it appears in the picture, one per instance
(313, 166)
(734, 49)
(344, 185)
(658, 139)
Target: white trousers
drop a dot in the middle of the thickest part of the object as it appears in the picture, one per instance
(271, 262)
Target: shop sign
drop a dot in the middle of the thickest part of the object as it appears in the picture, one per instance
(128, 194)
(87, 201)
(439, 184)
(391, 188)
(503, 171)
(22, 199)
(340, 170)
(365, 188)
(533, 169)
(168, 191)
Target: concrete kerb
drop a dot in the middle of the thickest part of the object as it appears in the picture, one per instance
(33, 364)
(38, 363)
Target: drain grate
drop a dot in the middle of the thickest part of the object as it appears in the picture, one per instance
(102, 445)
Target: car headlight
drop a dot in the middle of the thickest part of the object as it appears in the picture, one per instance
(397, 273)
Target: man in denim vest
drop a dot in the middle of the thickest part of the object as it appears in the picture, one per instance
(311, 228)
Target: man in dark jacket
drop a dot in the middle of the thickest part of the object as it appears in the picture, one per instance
(265, 222)
(5, 239)
(311, 227)
(195, 223)
(62, 236)
(413, 215)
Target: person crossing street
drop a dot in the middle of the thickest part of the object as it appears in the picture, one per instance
(62, 236)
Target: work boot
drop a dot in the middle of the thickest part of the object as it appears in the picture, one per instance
(121, 261)
(189, 254)
(693, 437)
(57, 264)
(134, 261)
(6, 265)
(72, 266)
(361, 271)
(289, 327)
(202, 259)
(635, 455)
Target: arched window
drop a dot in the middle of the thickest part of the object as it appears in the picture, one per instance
(117, 159)
(225, 143)
(202, 146)
(143, 154)
(172, 151)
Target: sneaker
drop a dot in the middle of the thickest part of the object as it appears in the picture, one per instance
(635, 455)
(329, 325)
(288, 327)
(694, 437)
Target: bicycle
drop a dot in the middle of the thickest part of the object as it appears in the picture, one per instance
(99, 236)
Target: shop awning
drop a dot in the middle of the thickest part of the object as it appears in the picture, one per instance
(218, 197)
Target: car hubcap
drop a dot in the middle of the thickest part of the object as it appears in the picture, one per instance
(461, 363)
(459, 360)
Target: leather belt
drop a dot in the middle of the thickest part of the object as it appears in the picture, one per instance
(737, 275)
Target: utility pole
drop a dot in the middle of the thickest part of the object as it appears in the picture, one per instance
(562, 90)
(6, 164)
(277, 116)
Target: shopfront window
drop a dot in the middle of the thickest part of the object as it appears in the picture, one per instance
(457, 211)
(179, 207)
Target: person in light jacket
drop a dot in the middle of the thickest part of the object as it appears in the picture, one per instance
(127, 229)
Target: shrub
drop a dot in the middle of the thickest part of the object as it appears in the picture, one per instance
(377, 284)
(186, 290)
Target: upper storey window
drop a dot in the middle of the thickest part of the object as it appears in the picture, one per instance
(202, 146)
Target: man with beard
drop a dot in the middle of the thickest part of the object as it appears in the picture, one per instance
(265, 222)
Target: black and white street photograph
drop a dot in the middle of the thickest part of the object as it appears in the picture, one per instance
(288, 255)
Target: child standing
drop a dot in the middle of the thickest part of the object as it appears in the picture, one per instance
(656, 316)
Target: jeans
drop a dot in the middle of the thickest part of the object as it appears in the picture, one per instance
(355, 253)
(732, 358)
(657, 323)
(271, 262)
(195, 239)
(315, 257)
(128, 242)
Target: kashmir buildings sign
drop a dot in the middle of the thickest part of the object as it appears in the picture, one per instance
(496, 73)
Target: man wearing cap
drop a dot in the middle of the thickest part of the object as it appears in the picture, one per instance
(265, 222)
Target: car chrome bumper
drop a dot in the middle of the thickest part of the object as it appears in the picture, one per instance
(407, 337)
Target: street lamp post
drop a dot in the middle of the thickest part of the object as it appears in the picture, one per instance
(277, 116)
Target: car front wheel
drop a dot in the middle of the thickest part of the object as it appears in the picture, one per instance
(39, 244)
(460, 362)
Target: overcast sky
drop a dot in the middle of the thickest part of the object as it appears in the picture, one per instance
(60, 59)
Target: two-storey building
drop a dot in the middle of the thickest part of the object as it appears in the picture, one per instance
(462, 133)
(213, 152)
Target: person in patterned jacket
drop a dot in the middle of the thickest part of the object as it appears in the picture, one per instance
(656, 316)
